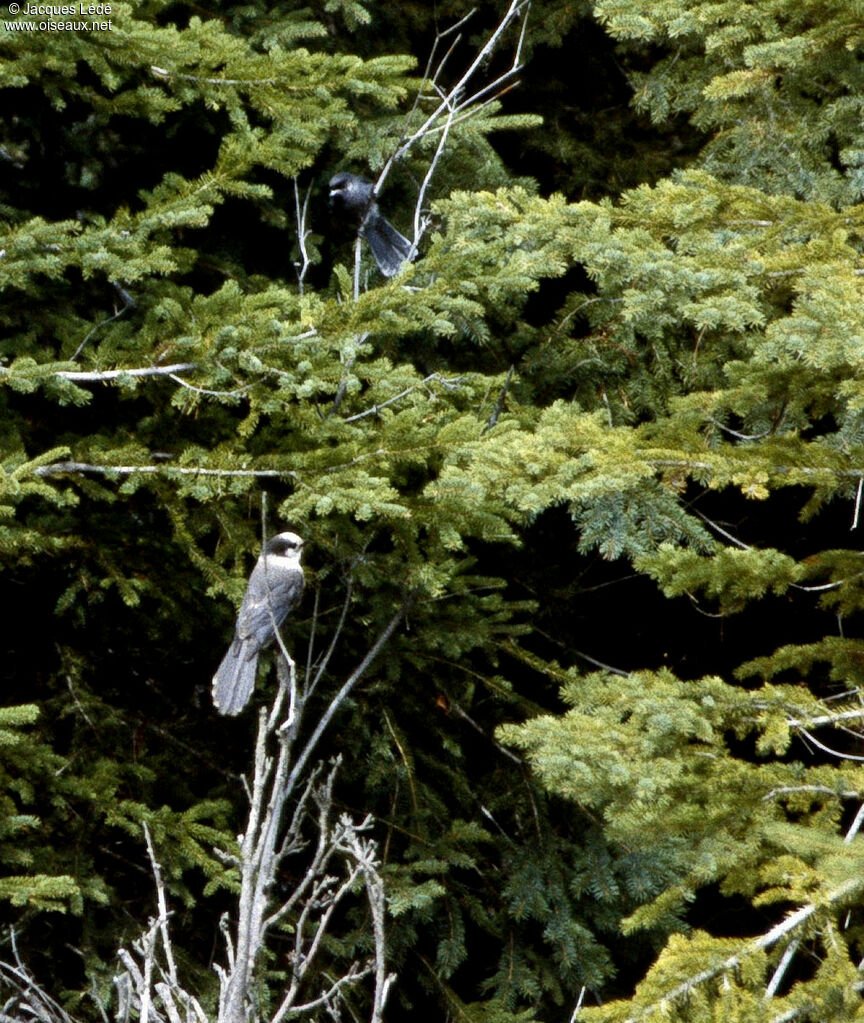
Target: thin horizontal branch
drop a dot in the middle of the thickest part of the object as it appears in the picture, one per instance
(780, 470)
(81, 468)
(453, 382)
(741, 436)
(823, 586)
(82, 376)
(821, 790)
(164, 73)
(827, 719)
(719, 529)
(801, 270)
(467, 717)
(601, 664)
(210, 393)
(839, 754)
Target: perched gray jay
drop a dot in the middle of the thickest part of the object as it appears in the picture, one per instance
(274, 588)
(354, 198)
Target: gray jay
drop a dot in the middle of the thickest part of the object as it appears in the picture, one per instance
(354, 198)
(274, 588)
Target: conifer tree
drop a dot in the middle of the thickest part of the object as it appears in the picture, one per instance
(161, 371)
(553, 388)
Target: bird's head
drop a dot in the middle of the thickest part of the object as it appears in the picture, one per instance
(285, 545)
(350, 191)
(339, 182)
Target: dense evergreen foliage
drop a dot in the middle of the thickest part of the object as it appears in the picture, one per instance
(601, 443)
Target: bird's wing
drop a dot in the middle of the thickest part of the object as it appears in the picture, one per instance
(270, 595)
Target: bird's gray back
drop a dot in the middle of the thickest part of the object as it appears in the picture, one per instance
(274, 588)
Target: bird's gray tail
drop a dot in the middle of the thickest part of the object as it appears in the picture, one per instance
(389, 248)
(235, 678)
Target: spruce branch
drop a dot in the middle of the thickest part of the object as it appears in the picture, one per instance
(792, 947)
(780, 469)
(768, 940)
(824, 790)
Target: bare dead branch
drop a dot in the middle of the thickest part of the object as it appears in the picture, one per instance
(27, 999)
(301, 210)
(128, 303)
(359, 340)
(326, 999)
(311, 683)
(343, 693)
(499, 404)
(453, 94)
(420, 222)
(162, 903)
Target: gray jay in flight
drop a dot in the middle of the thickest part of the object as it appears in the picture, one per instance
(354, 198)
(274, 588)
